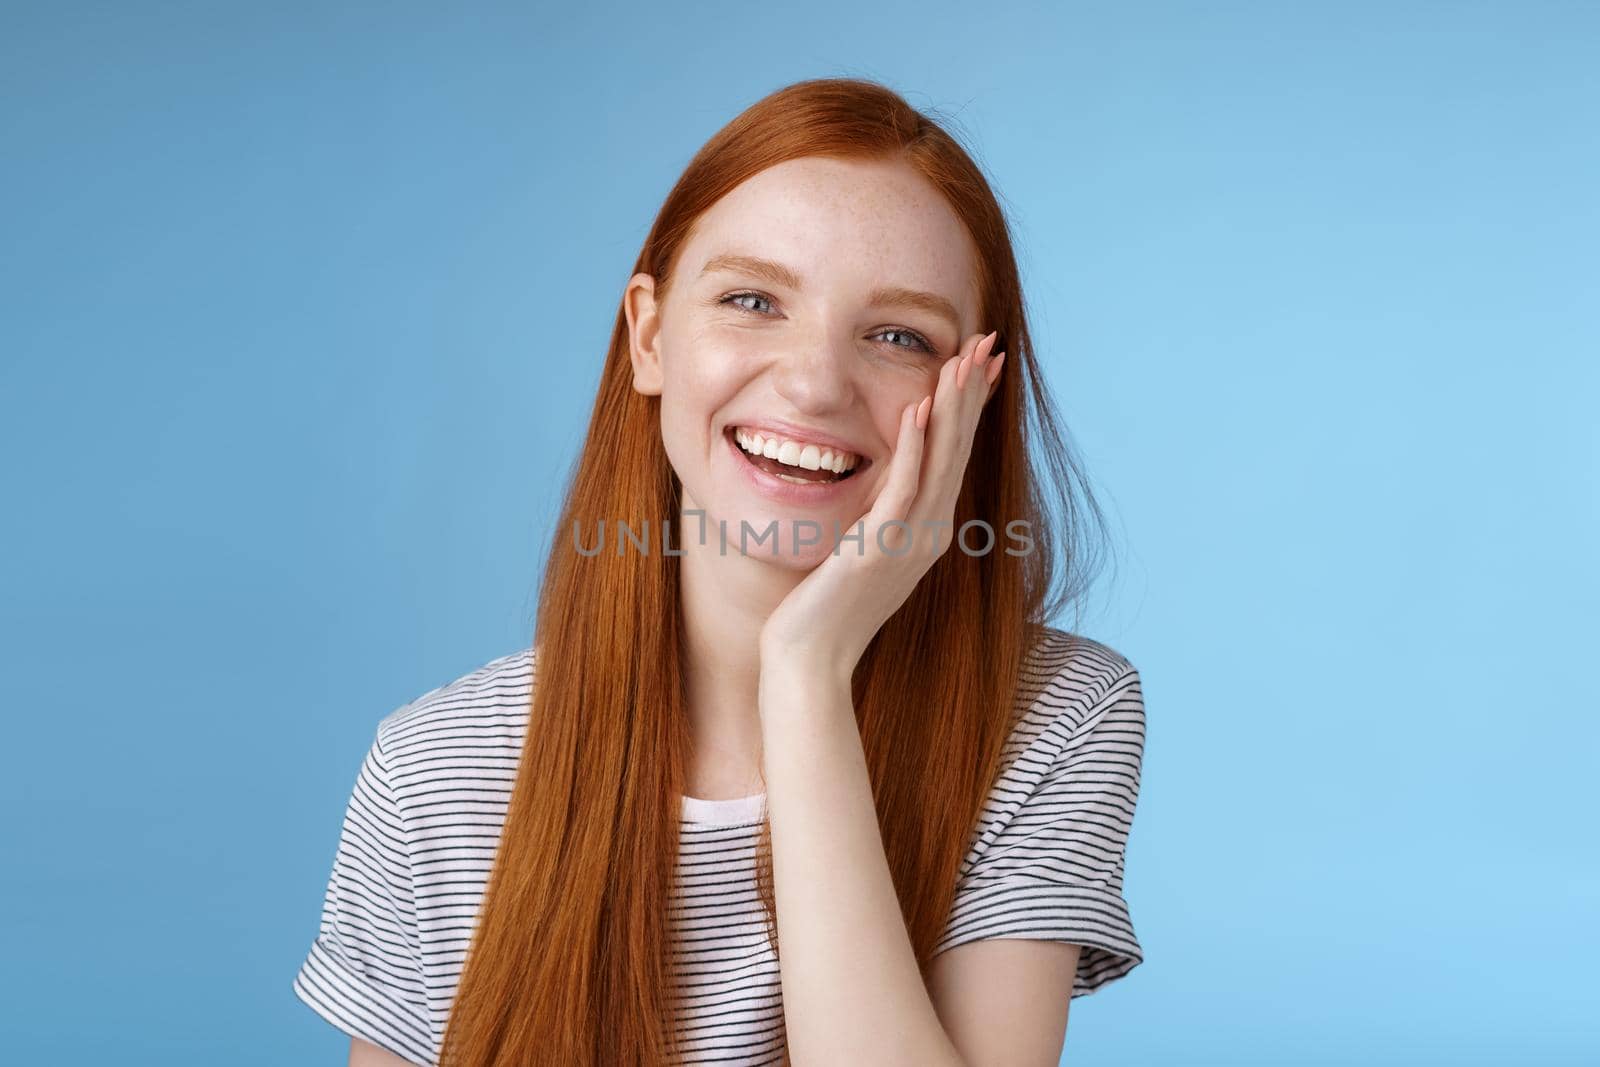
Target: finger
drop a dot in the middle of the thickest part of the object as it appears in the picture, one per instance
(974, 384)
(980, 384)
(905, 467)
(899, 489)
(992, 373)
(943, 430)
(976, 357)
(968, 410)
(953, 422)
(991, 377)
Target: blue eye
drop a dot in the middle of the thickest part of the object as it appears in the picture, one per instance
(919, 341)
(740, 296)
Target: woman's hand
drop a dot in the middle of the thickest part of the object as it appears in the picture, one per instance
(827, 621)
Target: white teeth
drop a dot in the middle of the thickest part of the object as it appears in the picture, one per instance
(794, 453)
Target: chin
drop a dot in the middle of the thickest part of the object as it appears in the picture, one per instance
(809, 558)
(816, 530)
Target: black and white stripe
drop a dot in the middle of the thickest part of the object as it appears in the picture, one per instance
(429, 802)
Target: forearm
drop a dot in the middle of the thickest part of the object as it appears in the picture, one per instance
(852, 991)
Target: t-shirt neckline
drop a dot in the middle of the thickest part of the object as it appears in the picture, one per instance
(736, 811)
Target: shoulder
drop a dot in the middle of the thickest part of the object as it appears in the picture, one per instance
(1067, 682)
(1073, 658)
(479, 716)
(1071, 689)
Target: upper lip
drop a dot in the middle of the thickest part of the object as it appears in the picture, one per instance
(795, 432)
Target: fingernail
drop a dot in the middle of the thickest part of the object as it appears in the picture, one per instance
(922, 412)
(981, 353)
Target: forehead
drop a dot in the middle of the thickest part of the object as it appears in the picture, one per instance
(844, 226)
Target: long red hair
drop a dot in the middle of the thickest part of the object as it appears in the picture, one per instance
(570, 960)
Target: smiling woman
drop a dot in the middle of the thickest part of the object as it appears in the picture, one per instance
(845, 799)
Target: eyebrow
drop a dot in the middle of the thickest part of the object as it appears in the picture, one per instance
(884, 296)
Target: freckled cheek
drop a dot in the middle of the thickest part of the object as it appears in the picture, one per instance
(891, 394)
(714, 367)
(704, 377)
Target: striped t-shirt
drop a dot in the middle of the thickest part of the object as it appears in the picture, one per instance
(428, 804)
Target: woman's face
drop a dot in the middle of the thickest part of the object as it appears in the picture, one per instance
(808, 307)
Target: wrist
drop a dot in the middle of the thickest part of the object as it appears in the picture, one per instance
(803, 669)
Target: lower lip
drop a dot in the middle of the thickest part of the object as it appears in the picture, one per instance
(774, 488)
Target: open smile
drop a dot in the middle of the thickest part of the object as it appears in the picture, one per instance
(791, 473)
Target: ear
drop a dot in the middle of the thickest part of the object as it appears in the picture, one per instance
(644, 332)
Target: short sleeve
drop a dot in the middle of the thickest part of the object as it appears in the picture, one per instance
(364, 970)
(1053, 869)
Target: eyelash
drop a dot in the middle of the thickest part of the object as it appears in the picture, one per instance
(927, 346)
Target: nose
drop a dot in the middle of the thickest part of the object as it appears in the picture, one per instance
(815, 376)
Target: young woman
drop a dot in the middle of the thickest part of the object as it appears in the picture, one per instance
(793, 771)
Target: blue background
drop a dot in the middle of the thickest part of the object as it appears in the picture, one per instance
(303, 313)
